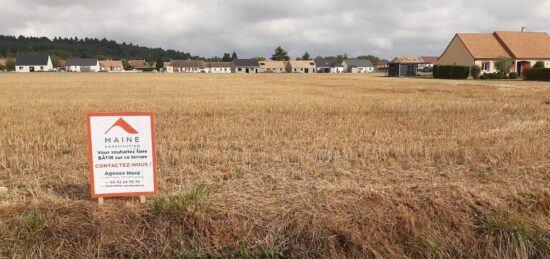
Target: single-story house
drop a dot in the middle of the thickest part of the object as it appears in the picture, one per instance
(82, 65)
(404, 66)
(140, 64)
(272, 66)
(245, 66)
(188, 66)
(300, 66)
(218, 67)
(33, 63)
(328, 65)
(482, 49)
(430, 61)
(111, 66)
(358, 66)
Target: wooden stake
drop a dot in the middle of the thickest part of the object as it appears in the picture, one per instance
(100, 200)
(142, 199)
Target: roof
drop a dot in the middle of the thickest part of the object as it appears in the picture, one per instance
(382, 62)
(246, 63)
(410, 60)
(302, 63)
(61, 62)
(81, 62)
(272, 64)
(32, 60)
(218, 64)
(327, 62)
(138, 63)
(110, 63)
(430, 59)
(525, 44)
(188, 63)
(358, 62)
(482, 45)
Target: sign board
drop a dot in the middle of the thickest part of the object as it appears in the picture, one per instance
(121, 153)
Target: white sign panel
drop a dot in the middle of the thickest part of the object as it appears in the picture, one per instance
(121, 150)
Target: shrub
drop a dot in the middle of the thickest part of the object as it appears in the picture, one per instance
(513, 75)
(537, 74)
(498, 75)
(539, 64)
(504, 64)
(435, 71)
(451, 72)
(475, 71)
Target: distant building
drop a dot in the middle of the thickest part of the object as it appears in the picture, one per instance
(140, 64)
(168, 68)
(429, 61)
(245, 66)
(82, 65)
(358, 66)
(33, 63)
(382, 64)
(218, 67)
(482, 49)
(328, 65)
(404, 66)
(188, 66)
(301, 66)
(111, 66)
(272, 66)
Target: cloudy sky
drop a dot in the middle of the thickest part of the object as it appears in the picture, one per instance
(255, 27)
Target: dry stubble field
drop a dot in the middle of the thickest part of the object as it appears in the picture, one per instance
(283, 166)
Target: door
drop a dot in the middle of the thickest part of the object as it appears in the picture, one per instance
(31, 69)
(522, 67)
(307, 71)
(247, 70)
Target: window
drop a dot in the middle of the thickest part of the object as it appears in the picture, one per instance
(485, 66)
(240, 69)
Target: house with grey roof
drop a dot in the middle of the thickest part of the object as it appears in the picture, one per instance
(358, 66)
(245, 66)
(33, 63)
(328, 65)
(82, 65)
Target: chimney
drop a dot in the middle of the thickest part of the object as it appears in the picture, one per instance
(523, 29)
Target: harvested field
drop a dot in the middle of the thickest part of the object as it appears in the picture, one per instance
(283, 166)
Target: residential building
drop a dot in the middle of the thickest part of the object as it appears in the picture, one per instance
(33, 63)
(111, 66)
(245, 66)
(188, 66)
(328, 65)
(82, 65)
(483, 49)
(218, 67)
(358, 66)
(272, 66)
(301, 66)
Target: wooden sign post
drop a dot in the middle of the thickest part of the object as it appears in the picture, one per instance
(122, 156)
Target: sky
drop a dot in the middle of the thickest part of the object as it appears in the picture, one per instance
(255, 28)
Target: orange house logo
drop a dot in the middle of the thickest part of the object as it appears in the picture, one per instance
(121, 123)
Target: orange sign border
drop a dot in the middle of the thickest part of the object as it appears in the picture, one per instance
(91, 161)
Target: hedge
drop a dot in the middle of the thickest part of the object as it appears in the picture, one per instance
(451, 72)
(537, 74)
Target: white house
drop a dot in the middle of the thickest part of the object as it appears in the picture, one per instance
(358, 66)
(188, 66)
(82, 65)
(111, 66)
(245, 66)
(33, 63)
(328, 65)
(217, 67)
(168, 68)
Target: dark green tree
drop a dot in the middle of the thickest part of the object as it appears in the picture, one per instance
(280, 54)
(159, 65)
(226, 57)
(259, 58)
(306, 56)
(234, 55)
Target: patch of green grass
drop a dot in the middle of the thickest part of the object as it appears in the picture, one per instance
(516, 236)
(178, 204)
(270, 179)
(239, 172)
(427, 249)
(32, 220)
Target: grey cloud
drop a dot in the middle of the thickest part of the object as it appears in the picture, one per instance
(255, 28)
